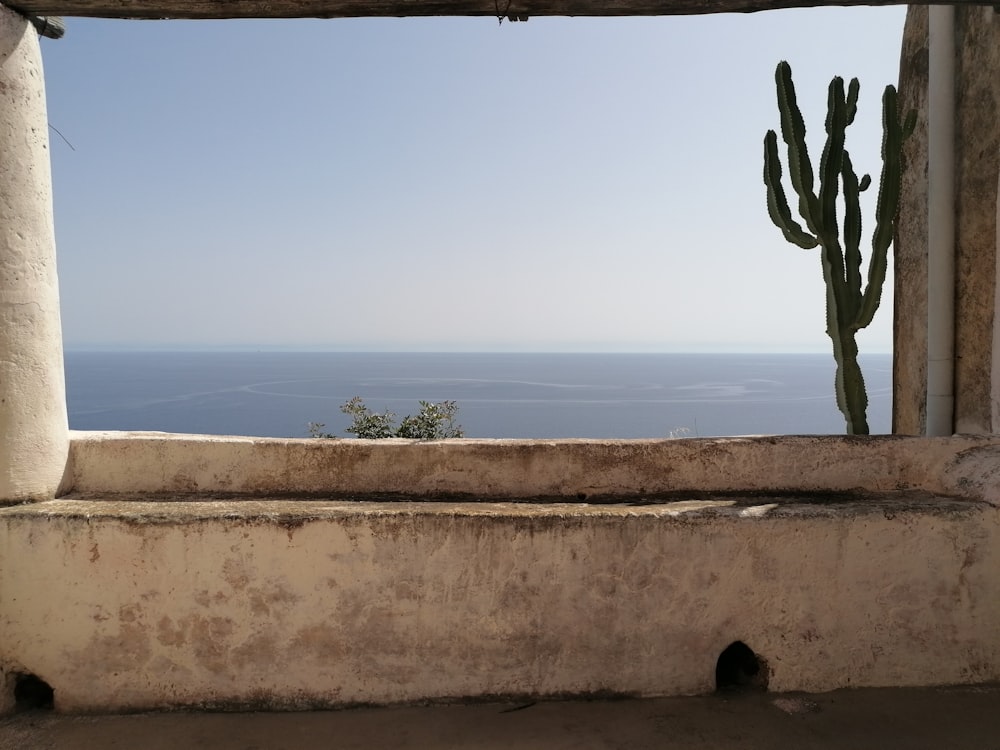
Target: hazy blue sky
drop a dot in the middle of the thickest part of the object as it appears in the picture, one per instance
(445, 184)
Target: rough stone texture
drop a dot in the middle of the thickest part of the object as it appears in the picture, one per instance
(977, 152)
(137, 463)
(978, 159)
(292, 605)
(34, 439)
(909, 414)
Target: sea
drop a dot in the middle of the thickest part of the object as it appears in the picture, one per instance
(499, 395)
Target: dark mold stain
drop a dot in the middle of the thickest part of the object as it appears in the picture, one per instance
(265, 700)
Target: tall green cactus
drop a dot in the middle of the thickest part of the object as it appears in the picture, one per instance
(848, 308)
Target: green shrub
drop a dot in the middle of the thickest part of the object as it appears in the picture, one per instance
(432, 422)
(368, 424)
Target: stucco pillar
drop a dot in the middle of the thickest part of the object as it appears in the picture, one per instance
(909, 377)
(34, 437)
(977, 162)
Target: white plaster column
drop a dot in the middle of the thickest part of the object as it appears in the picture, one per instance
(34, 436)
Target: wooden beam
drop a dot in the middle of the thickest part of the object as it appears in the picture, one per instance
(52, 27)
(514, 10)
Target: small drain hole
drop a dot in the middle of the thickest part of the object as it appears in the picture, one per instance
(739, 668)
(32, 693)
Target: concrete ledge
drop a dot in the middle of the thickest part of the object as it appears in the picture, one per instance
(117, 462)
(295, 604)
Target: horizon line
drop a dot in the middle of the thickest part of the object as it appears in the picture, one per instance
(276, 349)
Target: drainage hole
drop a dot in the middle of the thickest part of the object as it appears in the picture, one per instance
(32, 693)
(739, 668)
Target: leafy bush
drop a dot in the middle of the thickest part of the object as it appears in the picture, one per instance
(368, 424)
(432, 422)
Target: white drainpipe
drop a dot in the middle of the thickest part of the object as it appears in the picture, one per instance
(941, 222)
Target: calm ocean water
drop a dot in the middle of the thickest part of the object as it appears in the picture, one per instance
(499, 395)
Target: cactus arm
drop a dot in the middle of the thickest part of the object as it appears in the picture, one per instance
(888, 197)
(853, 89)
(793, 132)
(830, 162)
(777, 203)
(877, 268)
(830, 169)
(887, 207)
(852, 231)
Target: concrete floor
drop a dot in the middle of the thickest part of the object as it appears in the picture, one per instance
(932, 718)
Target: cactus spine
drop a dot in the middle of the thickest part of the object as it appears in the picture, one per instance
(848, 307)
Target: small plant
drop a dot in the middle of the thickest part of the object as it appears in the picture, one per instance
(316, 430)
(848, 308)
(432, 422)
(368, 424)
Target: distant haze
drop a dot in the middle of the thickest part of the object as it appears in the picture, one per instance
(565, 184)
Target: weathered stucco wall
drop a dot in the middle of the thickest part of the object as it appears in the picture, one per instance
(122, 606)
(841, 561)
(977, 130)
(977, 153)
(33, 429)
(909, 376)
(121, 462)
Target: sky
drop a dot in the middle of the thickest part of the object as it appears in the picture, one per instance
(446, 184)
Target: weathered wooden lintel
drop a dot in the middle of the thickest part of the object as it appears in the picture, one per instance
(523, 9)
(48, 26)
